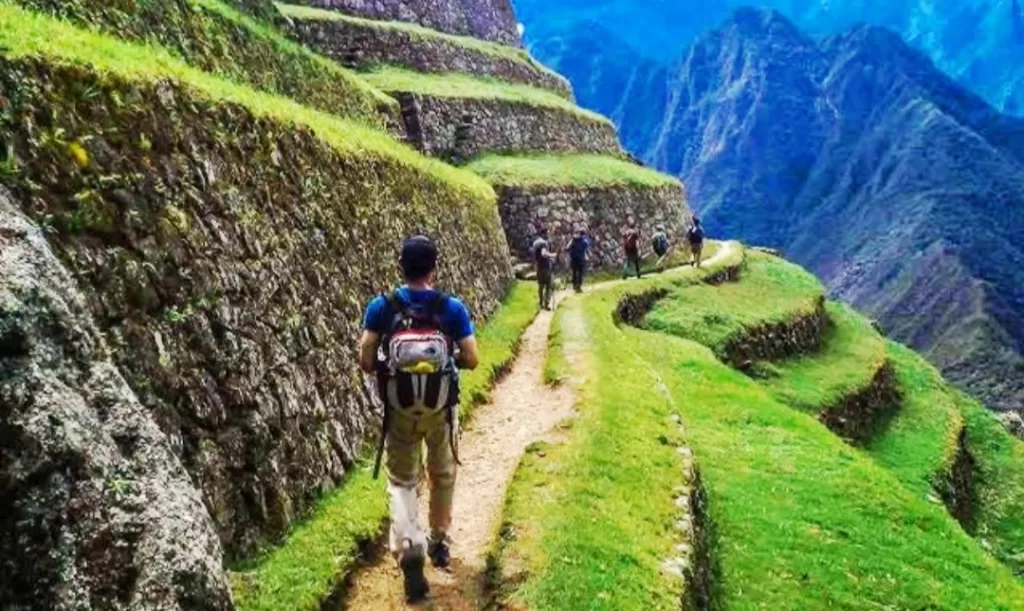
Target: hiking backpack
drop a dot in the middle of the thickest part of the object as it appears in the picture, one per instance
(416, 373)
(696, 234)
(661, 243)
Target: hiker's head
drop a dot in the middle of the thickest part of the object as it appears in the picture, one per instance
(419, 258)
(543, 232)
(631, 222)
(661, 228)
(582, 233)
(696, 221)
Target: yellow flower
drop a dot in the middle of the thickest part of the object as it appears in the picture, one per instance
(79, 154)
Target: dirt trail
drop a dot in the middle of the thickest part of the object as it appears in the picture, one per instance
(523, 410)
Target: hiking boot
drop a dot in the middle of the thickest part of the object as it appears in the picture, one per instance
(439, 554)
(416, 586)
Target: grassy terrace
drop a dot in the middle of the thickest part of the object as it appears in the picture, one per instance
(801, 520)
(25, 34)
(554, 170)
(307, 568)
(715, 315)
(999, 521)
(214, 36)
(455, 85)
(852, 354)
(419, 32)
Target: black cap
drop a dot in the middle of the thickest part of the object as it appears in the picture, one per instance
(419, 257)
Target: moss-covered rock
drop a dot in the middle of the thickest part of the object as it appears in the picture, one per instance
(226, 254)
(216, 37)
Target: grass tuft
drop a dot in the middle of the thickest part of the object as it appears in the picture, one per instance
(554, 170)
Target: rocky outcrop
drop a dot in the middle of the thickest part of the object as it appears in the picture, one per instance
(492, 20)
(96, 511)
(957, 484)
(458, 129)
(226, 256)
(800, 334)
(1013, 422)
(859, 416)
(602, 211)
(360, 44)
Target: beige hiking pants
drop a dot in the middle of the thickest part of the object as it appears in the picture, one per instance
(406, 438)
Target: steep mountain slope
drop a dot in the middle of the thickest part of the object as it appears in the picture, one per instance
(979, 42)
(868, 165)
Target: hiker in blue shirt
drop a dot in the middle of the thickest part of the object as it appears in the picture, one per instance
(415, 339)
(578, 249)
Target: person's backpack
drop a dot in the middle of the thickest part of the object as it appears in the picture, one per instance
(630, 243)
(661, 243)
(578, 248)
(696, 234)
(416, 371)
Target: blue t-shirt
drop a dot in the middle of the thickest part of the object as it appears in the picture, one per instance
(455, 319)
(578, 248)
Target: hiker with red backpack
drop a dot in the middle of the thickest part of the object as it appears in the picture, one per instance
(631, 246)
(415, 339)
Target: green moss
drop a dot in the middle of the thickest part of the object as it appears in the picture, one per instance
(27, 34)
(455, 85)
(852, 354)
(716, 315)
(215, 37)
(417, 31)
(587, 170)
(300, 574)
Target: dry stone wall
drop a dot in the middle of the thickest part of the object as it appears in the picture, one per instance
(226, 257)
(602, 211)
(458, 129)
(361, 44)
(492, 20)
(96, 511)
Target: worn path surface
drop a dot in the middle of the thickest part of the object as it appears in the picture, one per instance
(523, 410)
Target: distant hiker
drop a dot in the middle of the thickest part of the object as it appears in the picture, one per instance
(578, 249)
(415, 339)
(660, 244)
(631, 246)
(696, 238)
(545, 259)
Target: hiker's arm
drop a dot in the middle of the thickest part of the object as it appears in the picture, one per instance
(469, 356)
(368, 351)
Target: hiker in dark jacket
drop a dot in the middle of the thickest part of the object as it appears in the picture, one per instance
(695, 236)
(578, 249)
(631, 247)
(545, 260)
(415, 339)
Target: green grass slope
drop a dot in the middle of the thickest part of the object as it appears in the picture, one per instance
(852, 354)
(312, 563)
(716, 315)
(214, 36)
(575, 170)
(800, 519)
(393, 79)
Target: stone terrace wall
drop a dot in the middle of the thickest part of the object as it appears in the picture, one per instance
(461, 128)
(602, 211)
(361, 45)
(492, 20)
(96, 512)
(226, 257)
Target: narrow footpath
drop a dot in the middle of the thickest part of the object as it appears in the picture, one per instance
(523, 410)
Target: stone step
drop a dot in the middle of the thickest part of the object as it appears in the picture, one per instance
(364, 43)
